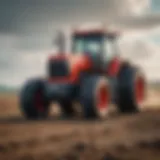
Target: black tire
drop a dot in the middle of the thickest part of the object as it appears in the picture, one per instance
(33, 102)
(88, 90)
(67, 108)
(126, 100)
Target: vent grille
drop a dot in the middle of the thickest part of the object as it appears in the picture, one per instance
(58, 68)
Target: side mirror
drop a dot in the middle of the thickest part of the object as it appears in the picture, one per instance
(60, 41)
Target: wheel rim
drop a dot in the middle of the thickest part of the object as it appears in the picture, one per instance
(38, 101)
(103, 98)
(140, 90)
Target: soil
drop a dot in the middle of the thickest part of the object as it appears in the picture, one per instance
(120, 137)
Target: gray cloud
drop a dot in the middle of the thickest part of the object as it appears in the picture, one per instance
(21, 16)
(35, 21)
(28, 26)
(138, 22)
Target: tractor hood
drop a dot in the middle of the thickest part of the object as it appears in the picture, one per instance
(70, 65)
(73, 60)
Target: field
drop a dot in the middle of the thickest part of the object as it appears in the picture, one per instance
(121, 137)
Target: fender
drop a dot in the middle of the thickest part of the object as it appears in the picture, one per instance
(82, 64)
(114, 67)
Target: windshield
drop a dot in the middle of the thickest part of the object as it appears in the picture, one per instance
(88, 44)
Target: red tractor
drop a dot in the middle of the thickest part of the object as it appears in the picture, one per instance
(93, 75)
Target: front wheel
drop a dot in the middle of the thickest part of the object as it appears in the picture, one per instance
(33, 102)
(95, 97)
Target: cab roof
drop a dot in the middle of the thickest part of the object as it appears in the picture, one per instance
(92, 29)
(95, 31)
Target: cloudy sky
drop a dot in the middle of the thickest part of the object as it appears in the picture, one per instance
(28, 27)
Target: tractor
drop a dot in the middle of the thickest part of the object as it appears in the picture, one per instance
(92, 74)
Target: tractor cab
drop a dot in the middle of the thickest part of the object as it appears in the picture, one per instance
(91, 50)
(101, 46)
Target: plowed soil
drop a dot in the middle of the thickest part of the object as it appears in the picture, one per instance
(120, 137)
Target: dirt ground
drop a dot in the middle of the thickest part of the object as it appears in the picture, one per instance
(120, 137)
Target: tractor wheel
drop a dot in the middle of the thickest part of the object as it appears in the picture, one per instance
(33, 102)
(131, 90)
(95, 97)
(67, 109)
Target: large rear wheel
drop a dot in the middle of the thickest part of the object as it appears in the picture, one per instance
(131, 90)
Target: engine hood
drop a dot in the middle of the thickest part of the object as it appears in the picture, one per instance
(76, 60)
